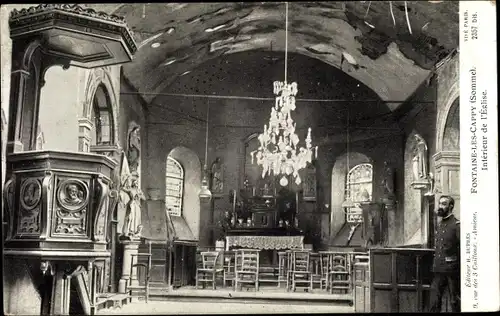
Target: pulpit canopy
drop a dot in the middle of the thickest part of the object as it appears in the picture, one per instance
(84, 36)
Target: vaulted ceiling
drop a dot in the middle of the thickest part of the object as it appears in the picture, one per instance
(369, 40)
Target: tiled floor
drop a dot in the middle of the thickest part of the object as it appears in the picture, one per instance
(223, 307)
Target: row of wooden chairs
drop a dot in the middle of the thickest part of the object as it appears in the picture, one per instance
(240, 267)
(331, 270)
(297, 268)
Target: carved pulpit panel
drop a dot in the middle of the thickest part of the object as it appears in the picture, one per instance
(72, 197)
(30, 201)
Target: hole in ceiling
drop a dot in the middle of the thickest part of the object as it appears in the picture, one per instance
(370, 25)
(213, 29)
(169, 62)
(348, 57)
(402, 8)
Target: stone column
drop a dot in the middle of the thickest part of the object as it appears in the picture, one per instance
(205, 197)
(84, 138)
(60, 294)
(205, 223)
(130, 247)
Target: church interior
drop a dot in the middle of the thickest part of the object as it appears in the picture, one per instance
(137, 136)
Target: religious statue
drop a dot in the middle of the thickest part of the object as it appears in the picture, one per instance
(388, 180)
(217, 177)
(132, 226)
(134, 148)
(419, 161)
(266, 190)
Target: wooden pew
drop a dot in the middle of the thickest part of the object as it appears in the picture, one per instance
(395, 280)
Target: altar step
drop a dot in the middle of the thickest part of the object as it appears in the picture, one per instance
(266, 294)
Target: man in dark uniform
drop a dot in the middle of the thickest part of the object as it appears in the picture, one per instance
(446, 265)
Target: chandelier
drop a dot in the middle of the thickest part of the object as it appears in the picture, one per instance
(278, 153)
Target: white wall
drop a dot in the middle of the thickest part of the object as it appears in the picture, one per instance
(61, 106)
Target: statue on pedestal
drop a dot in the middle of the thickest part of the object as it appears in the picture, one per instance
(388, 180)
(419, 161)
(217, 186)
(134, 148)
(132, 226)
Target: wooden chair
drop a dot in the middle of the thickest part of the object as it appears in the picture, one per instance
(316, 269)
(247, 268)
(143, 269)
(283, 268)
(229, 267)
(210, 269)
(301, 273)
(289, 268)
(339, 275)
(325, 268)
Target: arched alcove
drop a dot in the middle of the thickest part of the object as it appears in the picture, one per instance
(339, 174)
(191, 165)
(447, 159)
(24, 103)
(451, 135)
(98, 121)
(412, 198)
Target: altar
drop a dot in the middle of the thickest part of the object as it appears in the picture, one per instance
(279, 238)
(268, 241)
(265, 222)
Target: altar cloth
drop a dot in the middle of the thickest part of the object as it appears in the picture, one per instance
(265, 242)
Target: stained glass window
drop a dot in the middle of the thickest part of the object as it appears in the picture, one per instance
(359, 188)
(174, 187)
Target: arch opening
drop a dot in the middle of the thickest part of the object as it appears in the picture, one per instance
(451, 135)
(342, 188)
(188, 202)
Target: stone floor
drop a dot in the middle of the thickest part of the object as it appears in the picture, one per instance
(224, 307)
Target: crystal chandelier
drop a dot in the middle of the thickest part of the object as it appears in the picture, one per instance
(278, 153)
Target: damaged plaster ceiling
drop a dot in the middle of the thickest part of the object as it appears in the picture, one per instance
(369, 40)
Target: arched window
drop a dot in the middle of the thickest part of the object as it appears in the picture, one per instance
(102, 118)
(174, 187)
(359, 188)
